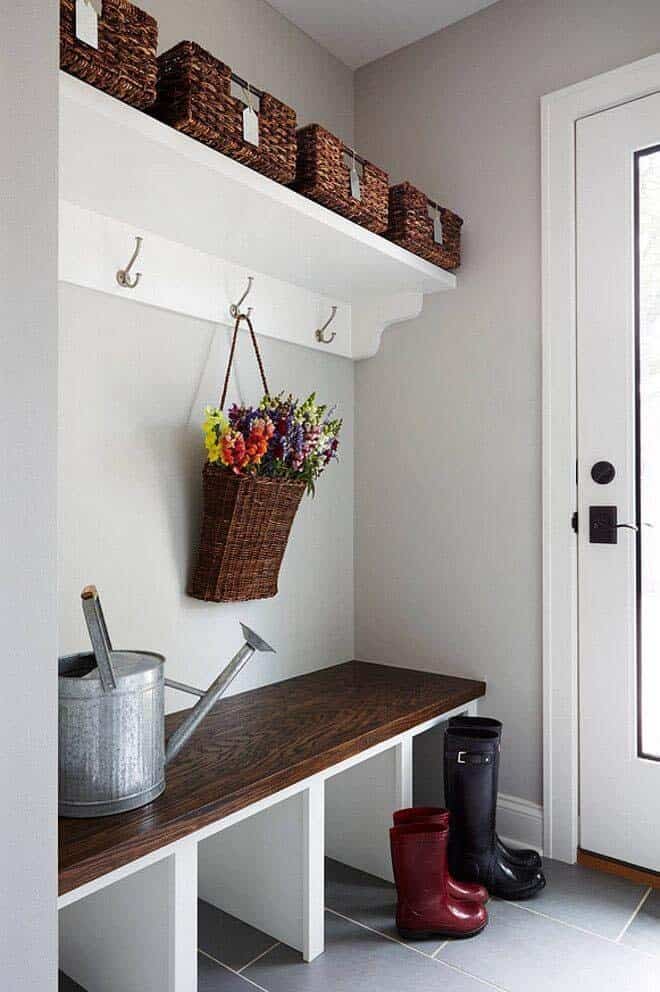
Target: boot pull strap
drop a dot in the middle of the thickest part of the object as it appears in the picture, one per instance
(471, 757)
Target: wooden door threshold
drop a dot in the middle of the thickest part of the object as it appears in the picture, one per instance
(642, 876)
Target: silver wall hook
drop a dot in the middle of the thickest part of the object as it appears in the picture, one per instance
(320, 335)
(235, 308)
(124, 275)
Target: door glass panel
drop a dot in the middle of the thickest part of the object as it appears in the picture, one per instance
(648, 448)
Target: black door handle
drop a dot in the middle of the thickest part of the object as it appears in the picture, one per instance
(603, 525)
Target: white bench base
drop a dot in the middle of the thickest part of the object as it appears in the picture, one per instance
(135, 929)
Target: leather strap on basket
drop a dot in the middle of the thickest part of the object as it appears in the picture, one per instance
(247, 320)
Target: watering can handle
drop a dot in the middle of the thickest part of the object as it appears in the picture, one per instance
(98, 633)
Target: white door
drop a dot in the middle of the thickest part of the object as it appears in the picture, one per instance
(618, 472)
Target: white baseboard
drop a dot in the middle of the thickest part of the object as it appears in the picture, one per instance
(520, 822)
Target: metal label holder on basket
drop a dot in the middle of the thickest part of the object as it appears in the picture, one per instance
(88, 15)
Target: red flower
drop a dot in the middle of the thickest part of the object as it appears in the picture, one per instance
(233, 451)
(238, 453)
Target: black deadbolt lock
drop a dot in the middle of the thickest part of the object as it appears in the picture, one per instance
(603, 473)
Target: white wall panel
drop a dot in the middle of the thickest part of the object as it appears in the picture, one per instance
(28, 417)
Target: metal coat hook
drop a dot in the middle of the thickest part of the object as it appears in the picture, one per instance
(320, 337)
(235, 308)
(124, 275)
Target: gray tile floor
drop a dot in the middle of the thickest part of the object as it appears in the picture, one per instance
(586, 932)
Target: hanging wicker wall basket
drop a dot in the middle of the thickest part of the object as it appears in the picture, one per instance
(245, 528)
(246, 521)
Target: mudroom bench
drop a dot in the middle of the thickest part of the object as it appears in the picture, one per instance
(275, 779)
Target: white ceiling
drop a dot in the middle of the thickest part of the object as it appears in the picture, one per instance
(359, 31)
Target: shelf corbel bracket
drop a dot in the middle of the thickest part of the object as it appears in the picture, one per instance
(371, 317)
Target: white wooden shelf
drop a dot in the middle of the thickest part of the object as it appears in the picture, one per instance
(208, 221)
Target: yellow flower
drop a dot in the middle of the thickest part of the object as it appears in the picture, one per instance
(215, 420)
(215, 427)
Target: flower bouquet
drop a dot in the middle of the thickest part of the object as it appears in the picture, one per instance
(281, 439)
(260, 462)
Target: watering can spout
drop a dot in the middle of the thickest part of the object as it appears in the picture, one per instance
(208, 699)
(254, 641)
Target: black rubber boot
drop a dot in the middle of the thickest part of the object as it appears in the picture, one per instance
(523, 856)
(471, 794)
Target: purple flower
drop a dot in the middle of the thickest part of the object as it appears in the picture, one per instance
(332, 450)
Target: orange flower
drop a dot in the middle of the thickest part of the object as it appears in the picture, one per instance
(257, 442)
(237, 453)
(232, 451)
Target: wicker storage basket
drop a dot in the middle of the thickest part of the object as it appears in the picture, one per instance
(246, 522)
(411, 226)
(245, 528)
(323, 174)
(194, 96)
(124, 64)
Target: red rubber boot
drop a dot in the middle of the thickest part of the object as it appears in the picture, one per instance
(424, 906)
(468, 891)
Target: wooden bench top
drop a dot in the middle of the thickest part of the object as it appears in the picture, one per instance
(255, 744)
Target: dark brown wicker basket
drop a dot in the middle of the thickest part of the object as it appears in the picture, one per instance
(124, 64)
(411, 226)
(194, 96)
(323, 175)
(245, 528)
(246, 521)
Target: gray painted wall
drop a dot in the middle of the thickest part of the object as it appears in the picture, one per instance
(448, 538)
(129, 464)
(28, 415)
(130, 461)
(265, 48)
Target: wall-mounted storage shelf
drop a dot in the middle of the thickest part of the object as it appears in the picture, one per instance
(208, 222)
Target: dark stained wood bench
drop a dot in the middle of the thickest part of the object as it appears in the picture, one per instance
(255, 747)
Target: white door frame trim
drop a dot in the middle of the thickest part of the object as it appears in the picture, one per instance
(559, 113)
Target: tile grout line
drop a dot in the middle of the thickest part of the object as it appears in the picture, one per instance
(469, 974)
(554, 919)
(379, 933)
(434, 956)
(637, 909)
(429, 957)
(258, 957)
(571, 926)
(232, 970)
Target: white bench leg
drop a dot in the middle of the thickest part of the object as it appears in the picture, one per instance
(267, 870)
(314, 871)
(404, 774)
(359, 806)
(183, 903)
(138, 934)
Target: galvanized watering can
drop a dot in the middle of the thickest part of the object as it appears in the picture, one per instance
(112, 750)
